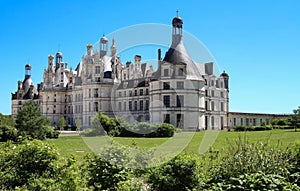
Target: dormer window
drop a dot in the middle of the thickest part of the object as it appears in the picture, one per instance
(166, 72)
(180, 71)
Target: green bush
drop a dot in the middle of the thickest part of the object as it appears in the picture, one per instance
(104, 175)
(119, 127)
(180, 173)
(255, 166)
(35, 165)
(8, 133)
(253, 128)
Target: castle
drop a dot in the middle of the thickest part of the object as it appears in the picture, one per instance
(180, 92)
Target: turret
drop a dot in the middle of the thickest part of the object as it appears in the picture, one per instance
(58, 59)
(27, 80)
(113, 48)
(50, 62)
(103, 46)
(89, 49)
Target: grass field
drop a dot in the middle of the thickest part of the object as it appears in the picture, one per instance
(188, 142)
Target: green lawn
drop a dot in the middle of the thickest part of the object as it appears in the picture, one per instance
(186, 141)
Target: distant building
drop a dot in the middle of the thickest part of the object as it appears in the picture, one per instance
(181, 92)
(252, 119)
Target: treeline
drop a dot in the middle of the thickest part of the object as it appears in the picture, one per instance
(119, 127)
(35, 165)
(29, 124)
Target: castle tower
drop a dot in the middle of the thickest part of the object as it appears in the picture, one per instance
(27, 80)
(58, 60)
(113, 48)
(103, 46)
(89, 49)
(50, 63)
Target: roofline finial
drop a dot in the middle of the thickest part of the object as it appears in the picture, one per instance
(177, 13)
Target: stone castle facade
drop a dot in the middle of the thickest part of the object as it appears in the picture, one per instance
(180, 92)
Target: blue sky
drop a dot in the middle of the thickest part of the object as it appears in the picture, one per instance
(256, 42)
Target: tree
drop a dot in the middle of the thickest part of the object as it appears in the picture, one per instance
(61, 123)
(7, 120)
(296, 118)
(29, 120)
(78, 124)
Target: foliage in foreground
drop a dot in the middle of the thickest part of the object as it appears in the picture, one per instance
(35, 165)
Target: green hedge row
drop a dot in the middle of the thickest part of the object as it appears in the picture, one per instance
(261, 128)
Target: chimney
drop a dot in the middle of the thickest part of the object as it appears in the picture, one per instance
(159, 54)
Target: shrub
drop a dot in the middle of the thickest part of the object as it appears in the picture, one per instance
(274, 165)
(104, 174)
(253, 128)
(119, 127)
(180, 173)
(20, 162)
(35, 165)
(7, 133)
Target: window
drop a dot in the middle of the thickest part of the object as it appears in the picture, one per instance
(124, 76)
(166, 101)
(96, 106)
(124, 93)
(180, 85)
(130, 93)
(212, 93)
(166, 85)
(135, 106)
(20, 102)
(54, 111)
(222, 106)
(141, 105)
(206, 105)
(179, 120)
(212, 106)
(135, 92)
(180, 101)
(124, 106)
(247, 122)
(120, 106)
(141, 92)
(166, 72)
(254, 121)
(167, 118)
(54, 99)
(180, 71)
(89, 94)
(97, 70)
(98, 79)
(96, 92)
(212, 122)
(147, 91)
(234, 121)
(222, 122)
(89, 106)
(130, 105)
(147, 105)
(206, 93)
(222, 94)
(120, 94)
(242, 122)
(221, 84)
